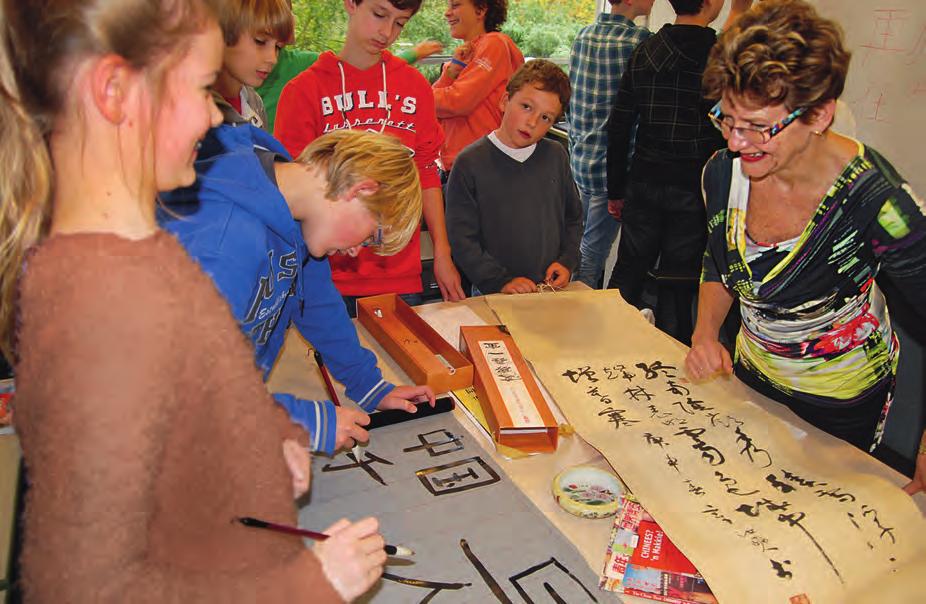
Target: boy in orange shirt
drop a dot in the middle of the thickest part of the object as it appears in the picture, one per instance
(469, 91)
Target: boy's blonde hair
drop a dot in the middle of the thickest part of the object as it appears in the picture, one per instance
(247, 17)
(347, 157)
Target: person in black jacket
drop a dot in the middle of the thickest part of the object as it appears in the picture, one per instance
(663, 214)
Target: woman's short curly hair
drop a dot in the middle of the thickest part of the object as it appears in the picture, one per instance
(496, 13)
(779, 52)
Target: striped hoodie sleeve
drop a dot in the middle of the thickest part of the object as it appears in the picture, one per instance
(317, 417)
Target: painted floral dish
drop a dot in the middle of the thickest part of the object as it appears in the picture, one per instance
(587, 491)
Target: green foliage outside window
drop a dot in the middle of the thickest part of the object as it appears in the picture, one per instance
(541, 28)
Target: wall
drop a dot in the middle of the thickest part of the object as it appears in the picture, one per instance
(886, 89)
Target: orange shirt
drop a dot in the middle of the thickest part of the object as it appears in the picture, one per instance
(468, 106)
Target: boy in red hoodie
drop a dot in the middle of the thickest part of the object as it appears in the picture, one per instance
(366, 87)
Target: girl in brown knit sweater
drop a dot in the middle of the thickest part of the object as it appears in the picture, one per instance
(145, 426)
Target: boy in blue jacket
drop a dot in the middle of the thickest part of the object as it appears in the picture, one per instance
(261, 227)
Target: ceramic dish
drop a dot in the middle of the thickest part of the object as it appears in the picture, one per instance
(587, 491)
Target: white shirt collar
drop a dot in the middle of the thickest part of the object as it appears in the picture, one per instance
(519, 155)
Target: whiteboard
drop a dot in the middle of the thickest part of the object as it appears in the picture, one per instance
(886, 88)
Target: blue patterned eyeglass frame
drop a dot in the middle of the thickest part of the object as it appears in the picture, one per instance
(375, 240)
(765, 134)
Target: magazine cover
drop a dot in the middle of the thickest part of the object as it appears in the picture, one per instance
(665, 586)
(622, 542)
(642, 561)
(6, 405)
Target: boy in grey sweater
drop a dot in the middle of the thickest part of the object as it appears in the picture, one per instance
(513, 213)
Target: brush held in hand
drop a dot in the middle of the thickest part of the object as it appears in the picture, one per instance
(391, 550)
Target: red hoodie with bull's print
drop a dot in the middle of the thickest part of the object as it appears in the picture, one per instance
(390, 97)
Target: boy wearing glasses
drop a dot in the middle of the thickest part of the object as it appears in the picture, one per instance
(365, 87)
(262, 226)
(660, 190)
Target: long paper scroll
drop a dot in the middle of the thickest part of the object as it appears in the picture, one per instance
(764, 509)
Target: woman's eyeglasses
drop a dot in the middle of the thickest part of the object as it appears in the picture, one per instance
(755, 136)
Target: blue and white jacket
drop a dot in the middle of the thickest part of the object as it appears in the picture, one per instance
(236, 224)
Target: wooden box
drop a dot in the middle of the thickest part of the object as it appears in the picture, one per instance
(420, 351)
(512, 402)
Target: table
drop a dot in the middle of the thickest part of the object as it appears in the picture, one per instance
(296, 374)
(9, 480)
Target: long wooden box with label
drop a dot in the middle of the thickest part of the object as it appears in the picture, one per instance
(513, 405)
(419, 350)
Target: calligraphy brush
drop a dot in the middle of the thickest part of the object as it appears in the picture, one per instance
(392, 550)
(332, 394)
(328, 385)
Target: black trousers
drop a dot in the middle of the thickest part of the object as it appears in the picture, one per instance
(854, 422)
(668, 223)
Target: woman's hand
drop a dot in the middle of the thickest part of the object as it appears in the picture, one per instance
(919, 476)
(707, 357)
(352, 557)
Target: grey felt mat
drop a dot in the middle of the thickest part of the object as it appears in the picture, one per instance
(476, 537)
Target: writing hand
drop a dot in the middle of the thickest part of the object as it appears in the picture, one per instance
(352, 557)
(349, 430)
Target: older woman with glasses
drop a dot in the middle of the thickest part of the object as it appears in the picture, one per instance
(801, 222)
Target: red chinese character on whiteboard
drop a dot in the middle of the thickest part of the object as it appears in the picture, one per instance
(888, 24)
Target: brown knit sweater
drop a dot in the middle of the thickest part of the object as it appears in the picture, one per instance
(146, 428)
